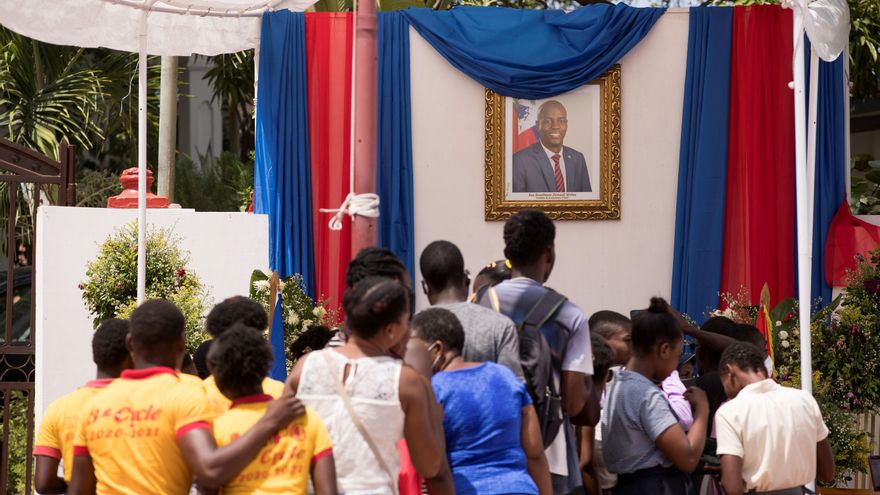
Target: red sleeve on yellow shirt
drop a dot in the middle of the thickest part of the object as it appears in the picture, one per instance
(198, 425)
(189, 406)
(320, 455)
(80, 450)
(48, 441)
(47, 451)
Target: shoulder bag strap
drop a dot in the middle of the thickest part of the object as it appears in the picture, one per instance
(544, 309)
(493, 299)
(346, 400)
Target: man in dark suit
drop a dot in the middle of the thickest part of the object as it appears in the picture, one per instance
(548, 166)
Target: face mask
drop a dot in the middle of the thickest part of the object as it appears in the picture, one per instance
(768, 364)
(434, 362)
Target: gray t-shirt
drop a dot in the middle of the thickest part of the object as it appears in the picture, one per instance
(636, 413)
(488, 336)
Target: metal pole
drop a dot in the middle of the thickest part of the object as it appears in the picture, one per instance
(364, 232)
(167, 127)
(804, 222)
(142, 161)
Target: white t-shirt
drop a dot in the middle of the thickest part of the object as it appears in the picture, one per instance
(774, 429)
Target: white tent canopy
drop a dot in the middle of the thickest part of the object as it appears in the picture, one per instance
(158, 27)
(175, 27)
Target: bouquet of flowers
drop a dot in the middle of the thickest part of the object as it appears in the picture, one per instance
(298, 310)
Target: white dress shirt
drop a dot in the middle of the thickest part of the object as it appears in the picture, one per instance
(774, 429)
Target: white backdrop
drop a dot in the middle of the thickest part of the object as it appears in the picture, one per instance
(224, 249)
(615, 265)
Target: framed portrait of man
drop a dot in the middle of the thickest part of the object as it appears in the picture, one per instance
(560, 155)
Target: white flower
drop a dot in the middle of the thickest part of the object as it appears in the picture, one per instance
(261, 284)
(784, 344)
(779, 323)
(292, 318)
(319, 312)
(281, 285)
(783, 334)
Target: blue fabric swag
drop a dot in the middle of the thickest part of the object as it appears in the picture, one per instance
(702, 169)
(282, 174)
(394, 166)
(534, 54)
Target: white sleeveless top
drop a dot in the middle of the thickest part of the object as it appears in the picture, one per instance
(373, 386)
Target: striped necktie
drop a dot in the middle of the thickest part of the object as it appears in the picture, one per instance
(560, 181)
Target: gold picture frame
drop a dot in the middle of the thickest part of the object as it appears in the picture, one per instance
(601, 99)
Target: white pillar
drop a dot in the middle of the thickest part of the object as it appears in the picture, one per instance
(142, 162)
(167, 128)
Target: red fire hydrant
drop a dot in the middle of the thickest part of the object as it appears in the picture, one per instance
(128, 198)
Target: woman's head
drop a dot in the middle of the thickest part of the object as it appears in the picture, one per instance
(442, 334)
(657, 337)
(240, 359)
(492, 274)
(377, 309)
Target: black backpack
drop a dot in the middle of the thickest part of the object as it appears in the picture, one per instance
(539, 359)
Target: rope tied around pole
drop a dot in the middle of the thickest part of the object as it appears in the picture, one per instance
(355, 205)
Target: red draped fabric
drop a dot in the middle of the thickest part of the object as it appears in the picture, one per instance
(759, 217)
(848, 237)
(328, 53)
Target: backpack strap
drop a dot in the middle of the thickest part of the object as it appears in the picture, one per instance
(544, 309)
(489, 290)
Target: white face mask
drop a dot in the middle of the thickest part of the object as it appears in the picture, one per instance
(768, 364)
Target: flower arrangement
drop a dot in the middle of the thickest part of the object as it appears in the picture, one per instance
(298, 310)
(110, 287)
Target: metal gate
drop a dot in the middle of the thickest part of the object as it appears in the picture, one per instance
(27, 180)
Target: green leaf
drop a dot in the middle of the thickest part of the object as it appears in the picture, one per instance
(873, 176)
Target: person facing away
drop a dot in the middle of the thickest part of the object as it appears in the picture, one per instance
(240, 359)
(488, 335)
(490, 275)
(590, 448)
(529, 238)
(770, 438)
(149, 431)
(54, 442)
(382, 262)
(235, 309)
(548, 166)
(493, 439)
(368, 399)
(643, 443)
(314, 338)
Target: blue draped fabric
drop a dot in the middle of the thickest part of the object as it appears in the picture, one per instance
(282, 178)
(702, 171)
(276, 340)
(394, 181)
(831, 165)
(534, 53)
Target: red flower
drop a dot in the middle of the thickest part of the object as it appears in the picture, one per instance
(872, 286)
(81, 286)
(181, 272)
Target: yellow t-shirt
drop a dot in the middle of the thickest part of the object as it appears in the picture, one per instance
(55, 438)
(284, 464)
(219, 404)
(131, 429)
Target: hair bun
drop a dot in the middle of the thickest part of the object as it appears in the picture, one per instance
(658, 305)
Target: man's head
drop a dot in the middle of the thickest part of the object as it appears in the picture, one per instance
(751, 334)
(529, 238)
(741, 364)
(442, 268)
(552, 125)
(376, 262)
(108, 347)
(240, 359)
(155, 336)
(616, 329)
(236, 309)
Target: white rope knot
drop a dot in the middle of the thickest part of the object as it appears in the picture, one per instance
(355, 205)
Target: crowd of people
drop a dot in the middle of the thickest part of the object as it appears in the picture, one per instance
(502, 386)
